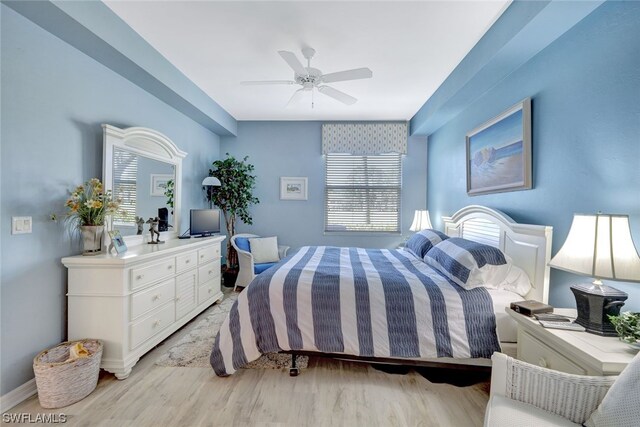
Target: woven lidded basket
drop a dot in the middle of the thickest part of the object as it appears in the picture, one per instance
(62, 382)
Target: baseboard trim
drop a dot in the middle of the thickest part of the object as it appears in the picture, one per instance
(18, 395)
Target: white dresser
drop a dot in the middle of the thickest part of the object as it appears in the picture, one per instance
(135, 300)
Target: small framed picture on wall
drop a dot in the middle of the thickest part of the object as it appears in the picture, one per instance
(293, 188)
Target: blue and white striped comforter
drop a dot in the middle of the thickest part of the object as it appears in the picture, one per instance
(365, 302)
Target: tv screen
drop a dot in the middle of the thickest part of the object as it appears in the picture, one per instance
(204, 222)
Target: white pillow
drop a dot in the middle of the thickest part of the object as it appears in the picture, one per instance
(517, 281)
(620, 406)
(264, 249)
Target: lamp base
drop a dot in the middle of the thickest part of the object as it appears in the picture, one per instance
(595, 302)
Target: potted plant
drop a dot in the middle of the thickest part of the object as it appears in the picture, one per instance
(627, 326)
(234, 196)
(87, 209)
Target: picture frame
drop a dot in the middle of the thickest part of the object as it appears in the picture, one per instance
(117, 242)
(498, 152)
(159, 183)
(293, 188)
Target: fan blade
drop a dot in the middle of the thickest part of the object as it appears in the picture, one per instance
(268, 82)
(355, 74)
(337, 95)
(295, 97)
(293, 62)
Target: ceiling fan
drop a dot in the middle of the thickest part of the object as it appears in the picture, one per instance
(312, 78)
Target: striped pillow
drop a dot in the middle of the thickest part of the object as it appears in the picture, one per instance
(469, 264)
(422, 241)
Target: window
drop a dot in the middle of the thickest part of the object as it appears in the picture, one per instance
(363, 192)
(125, 170)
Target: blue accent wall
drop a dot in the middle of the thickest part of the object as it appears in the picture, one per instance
(54, 99)
(585, 88)
(295, 149)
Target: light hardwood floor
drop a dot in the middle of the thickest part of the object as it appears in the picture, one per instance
(328, 393)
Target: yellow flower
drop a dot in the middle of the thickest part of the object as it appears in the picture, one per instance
(94, 182)
(93, 204)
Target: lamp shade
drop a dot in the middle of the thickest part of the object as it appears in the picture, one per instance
(421, 221)
(600, 246)
(212, 181)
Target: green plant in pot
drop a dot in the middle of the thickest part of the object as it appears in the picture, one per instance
(627, 326)
(234, 196)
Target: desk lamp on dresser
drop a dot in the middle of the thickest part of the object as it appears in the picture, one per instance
(599, 246)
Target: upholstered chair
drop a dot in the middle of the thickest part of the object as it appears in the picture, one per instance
(248, 268)
(527, 395)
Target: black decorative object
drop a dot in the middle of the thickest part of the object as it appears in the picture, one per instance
(595, 303)
(163, 216)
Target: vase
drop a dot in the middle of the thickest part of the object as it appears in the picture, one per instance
(91, 239)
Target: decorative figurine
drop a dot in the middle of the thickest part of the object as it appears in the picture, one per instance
(140, 222)
(153, 223)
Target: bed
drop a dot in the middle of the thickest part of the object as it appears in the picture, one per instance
(384, 305)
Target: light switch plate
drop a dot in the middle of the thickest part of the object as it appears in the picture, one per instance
(21, 224)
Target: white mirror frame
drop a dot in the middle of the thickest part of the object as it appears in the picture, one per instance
(151, 144)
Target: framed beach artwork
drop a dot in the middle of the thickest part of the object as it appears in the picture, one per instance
(159, 182)
(293, 188)
(499, 152)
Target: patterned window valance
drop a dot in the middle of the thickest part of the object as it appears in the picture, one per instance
(365, 139)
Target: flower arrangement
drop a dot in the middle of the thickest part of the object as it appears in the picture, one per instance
(89, 204)
(627, 326)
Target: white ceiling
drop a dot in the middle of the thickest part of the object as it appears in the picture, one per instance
(411, 47)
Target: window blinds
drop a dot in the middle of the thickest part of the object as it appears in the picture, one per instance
(125, 171)
(363, 192)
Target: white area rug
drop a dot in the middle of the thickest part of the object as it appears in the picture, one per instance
(194, 349)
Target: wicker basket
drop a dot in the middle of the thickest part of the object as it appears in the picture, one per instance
(62, 382)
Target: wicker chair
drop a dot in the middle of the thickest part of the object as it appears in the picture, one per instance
(527, 395)
(245, 260)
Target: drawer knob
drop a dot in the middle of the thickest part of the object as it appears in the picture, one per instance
(156, 323)
(542, 362)
(157, 297)
(209, 290)
(187, 261)
(139, 277)
(177, 298)
(210, 271)
(202, 256)
(169, 267)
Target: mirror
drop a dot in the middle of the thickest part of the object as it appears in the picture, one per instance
(146, 188)
(142, 168)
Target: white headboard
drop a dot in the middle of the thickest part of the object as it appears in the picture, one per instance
(528, 245)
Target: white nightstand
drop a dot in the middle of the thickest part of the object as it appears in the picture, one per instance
(573, 352)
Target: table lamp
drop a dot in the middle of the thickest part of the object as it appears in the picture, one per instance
(599, 246)
(210, 181)
(421, 221)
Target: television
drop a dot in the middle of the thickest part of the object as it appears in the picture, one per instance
(204, 222)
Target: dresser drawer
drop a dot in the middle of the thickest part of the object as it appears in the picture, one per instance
(208, 272)
(186, 293)
(186, 261)
(208, 254)
(534, 351)
(153, 297)
(208, 290)
(150, 273)
(154, 323)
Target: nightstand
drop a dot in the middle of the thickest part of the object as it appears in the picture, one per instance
(573, 352)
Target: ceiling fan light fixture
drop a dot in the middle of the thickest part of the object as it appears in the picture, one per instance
(310, 78)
